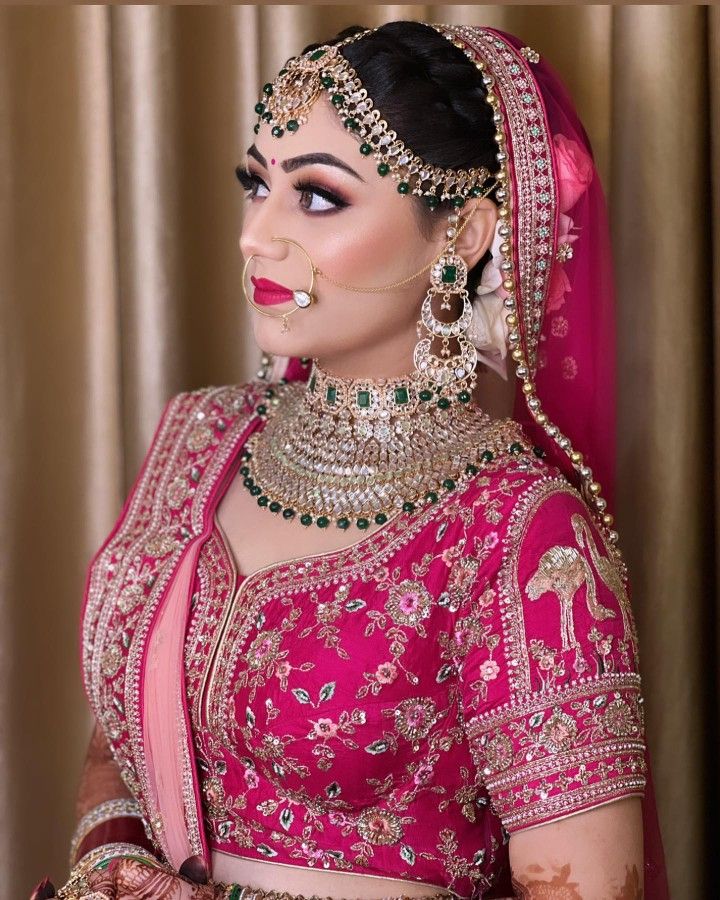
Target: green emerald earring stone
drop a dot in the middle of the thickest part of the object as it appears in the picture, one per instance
(449, 274)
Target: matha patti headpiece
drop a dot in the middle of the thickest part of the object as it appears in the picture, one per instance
(287, 101)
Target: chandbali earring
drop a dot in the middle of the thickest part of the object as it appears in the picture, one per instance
(302, 298)
(448, 276)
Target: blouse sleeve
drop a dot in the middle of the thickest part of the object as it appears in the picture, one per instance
(551, 683)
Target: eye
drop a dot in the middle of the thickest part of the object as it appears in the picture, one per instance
(251, 182)
(308, 188)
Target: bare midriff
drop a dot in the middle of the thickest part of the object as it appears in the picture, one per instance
(296, 879)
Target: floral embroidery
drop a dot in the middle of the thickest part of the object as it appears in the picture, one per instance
(414, 717)
(386, 673)
(409, 602)
(489, 670)
(200, 438)
(559, 732)
(378, 826)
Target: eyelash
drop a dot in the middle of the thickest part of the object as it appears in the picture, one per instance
(250, 180)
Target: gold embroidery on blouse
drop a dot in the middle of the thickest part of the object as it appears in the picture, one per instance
(563, 570)
(610, 575)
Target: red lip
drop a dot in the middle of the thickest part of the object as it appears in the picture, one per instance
(268, 292)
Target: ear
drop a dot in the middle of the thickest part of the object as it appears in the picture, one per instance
(477, 235)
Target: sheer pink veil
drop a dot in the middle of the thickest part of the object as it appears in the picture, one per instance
(564, 293)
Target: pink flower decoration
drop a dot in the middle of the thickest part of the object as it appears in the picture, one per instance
(251, 778)
(460, 635)
(386, 673)
(423, 773)
(558, 326)
(574, 170)
(569, 367)
(325, 728)
(489, 670)
(558, 287)
(409, 602)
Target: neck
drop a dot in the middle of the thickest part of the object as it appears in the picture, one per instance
(405, 395)
(333, 394)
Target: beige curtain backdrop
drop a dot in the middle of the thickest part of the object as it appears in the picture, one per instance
(120, 127)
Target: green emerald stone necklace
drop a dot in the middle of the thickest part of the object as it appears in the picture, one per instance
(349, 451)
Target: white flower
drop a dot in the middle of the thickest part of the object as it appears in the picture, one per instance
(488, 329)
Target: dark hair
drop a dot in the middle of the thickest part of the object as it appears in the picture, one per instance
(433, 97)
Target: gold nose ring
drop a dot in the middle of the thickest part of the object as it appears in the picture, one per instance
(302, 299)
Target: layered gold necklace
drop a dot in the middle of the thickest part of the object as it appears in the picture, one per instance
(347, 451)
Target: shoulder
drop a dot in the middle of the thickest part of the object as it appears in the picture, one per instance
(192, 427)
(229, 399)
(535, 501)
(516, 483)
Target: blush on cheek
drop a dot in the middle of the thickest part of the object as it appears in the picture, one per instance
(370, 259)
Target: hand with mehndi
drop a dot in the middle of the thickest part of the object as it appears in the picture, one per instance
(134, 879)
(126, 878)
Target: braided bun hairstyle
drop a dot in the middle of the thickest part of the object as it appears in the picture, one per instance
(433, 97)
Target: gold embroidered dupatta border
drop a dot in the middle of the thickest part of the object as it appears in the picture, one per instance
(165, 517)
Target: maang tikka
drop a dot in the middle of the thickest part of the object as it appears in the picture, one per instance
(285, 106)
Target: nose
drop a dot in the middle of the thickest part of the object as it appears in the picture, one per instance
(258, 229)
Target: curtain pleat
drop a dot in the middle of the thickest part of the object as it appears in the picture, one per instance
(120, 127)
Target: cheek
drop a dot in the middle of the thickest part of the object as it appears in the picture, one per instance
(374, 250)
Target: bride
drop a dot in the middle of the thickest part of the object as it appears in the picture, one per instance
(352, 635)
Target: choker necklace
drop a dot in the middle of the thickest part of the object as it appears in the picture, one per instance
(356, 451)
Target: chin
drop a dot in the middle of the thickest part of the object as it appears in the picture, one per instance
(269, 338)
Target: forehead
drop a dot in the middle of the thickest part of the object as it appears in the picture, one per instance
(322, 131)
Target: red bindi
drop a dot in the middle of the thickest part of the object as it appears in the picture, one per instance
(272, 162)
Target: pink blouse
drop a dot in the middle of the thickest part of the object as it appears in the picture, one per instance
(400, 707)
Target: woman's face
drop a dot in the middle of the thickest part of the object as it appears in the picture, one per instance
(358, 230)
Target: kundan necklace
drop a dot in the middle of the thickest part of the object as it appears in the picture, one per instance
(355, 451)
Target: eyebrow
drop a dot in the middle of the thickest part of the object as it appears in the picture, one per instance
(307, 159)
